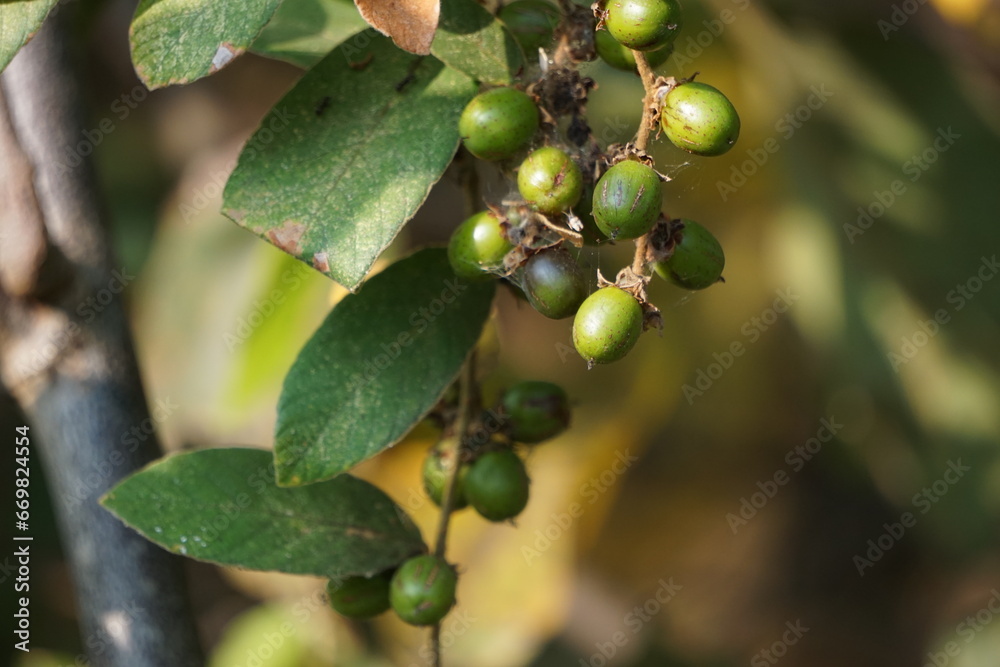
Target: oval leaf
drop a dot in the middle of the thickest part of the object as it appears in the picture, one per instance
(410, 23)
(349, 155)
(302, 32)
(471, 40)
(222, 506)
(175, 42)
(376, 366)
(19, 21)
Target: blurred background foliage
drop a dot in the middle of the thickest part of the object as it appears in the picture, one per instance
(870, 85)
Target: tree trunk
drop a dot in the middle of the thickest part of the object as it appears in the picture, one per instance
(66, 355)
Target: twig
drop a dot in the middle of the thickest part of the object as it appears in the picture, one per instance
(642, 141)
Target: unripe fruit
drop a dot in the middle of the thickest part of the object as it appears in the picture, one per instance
(697, 261)
(554, 283)
(537, 411)
(627, 200)
(498, 123)
(423, 590)
(360, 597)
(477, 247)
(441, 460)
(607, 325)
(644, 25)
(615, 54)
(497, 485)
(532, 22)
(550, 181)
(699, 119)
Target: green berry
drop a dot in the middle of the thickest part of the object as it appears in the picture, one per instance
(532, 22)
(699, 119)
(615, 54)
(550, 181)
(438, 465)
(477, 247)
(498, 123)
(423, 590)
(644, 25)
(360, 597)
(607, 325)
(497, 485)
(627, 200)
(697, 261)
(554, 283)
(537, 411)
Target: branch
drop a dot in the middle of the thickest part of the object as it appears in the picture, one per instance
(76, 378)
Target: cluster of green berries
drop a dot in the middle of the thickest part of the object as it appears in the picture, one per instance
(556, 182)
(491, 477)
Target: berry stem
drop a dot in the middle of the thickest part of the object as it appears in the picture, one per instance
(641, 142)
(468, 403)
(648, 101)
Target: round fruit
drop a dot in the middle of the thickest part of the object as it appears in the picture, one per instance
(627, 200)
(697, 261)
(554, 283)
(532, 22)
(438, 465)
(644, 25)
(360, 597)
(550, 181)
(497, 485)
(607, 325)
(699, 119)
(423, 590)
(536, 411)
(498, 123)
(615, 54)
(477, 247)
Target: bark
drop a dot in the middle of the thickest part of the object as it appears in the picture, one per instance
(67, 357)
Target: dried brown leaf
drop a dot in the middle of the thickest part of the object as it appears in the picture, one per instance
(410, 23)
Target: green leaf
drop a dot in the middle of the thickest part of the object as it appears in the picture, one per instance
(376, 366)
(303, 31)
(222, 506)
(179, 41)
(19, 21)
(349, 155)
(471, 40)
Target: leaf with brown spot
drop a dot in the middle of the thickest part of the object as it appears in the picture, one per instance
(19, 21)
(410, 23)
(173, 43)
(355, 174)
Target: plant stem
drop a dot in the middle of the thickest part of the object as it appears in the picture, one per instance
(468, 403)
